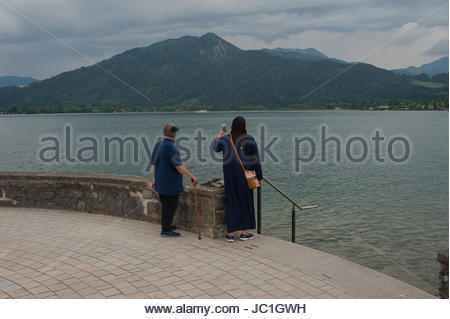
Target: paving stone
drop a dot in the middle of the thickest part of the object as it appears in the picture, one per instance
(128, 290)
(137, 295)
(130, 260)
(95, 296)
(176, 293)
(223, 296)
(45, 294)
(87, 291)
(237, 293)
(38, 290)
(149, 288)
(109, 292)
(19, 293)
(67, 294)
(213, 291)
(204, 286)
(194, 292)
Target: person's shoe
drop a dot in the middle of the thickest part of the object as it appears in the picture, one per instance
(246, 236)
(229, 238)
(170, 233)
(173, 227)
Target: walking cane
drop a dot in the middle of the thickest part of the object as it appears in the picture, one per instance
(196, 211)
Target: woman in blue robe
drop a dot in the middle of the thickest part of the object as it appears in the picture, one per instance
(240, 211)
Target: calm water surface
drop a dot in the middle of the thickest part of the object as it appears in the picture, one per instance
(388, 216)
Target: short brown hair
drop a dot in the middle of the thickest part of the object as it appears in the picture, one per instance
(170, 129)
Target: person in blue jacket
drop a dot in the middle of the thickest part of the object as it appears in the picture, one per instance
(168, 171)
(240, 211)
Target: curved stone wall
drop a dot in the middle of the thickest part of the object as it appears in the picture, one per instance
(117, 195)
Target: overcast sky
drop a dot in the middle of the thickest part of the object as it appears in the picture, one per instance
(386, 33)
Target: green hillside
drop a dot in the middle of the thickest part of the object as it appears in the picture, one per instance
(208, 72)
(432, 85)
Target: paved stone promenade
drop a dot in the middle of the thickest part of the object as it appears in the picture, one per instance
(64, 254)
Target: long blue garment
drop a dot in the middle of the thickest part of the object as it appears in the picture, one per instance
(240, 211)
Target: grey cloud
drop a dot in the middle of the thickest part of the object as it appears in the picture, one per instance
(102, 28)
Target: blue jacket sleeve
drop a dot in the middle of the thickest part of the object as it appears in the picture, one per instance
(175, 157)
(219, 145)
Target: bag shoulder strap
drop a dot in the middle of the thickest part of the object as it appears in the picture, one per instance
(237, 155)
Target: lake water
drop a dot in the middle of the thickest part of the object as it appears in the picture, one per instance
(392, 217)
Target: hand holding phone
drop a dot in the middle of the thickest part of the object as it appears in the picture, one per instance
(223, 129)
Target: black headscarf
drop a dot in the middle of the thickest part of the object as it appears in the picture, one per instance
(238, 130)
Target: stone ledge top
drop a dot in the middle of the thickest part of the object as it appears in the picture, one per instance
(57, 175)
(102, 178)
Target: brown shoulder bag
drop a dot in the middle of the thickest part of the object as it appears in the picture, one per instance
(250, 176)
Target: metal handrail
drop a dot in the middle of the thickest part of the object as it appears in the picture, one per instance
(294, 204)
(288, 198)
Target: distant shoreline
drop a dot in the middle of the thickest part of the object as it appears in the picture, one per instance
(231, 111)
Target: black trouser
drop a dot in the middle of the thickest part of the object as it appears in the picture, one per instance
(169, 205)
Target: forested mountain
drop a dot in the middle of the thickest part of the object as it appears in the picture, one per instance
(209, 72)
(10, 80)
(302, 54)
(433, 68)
